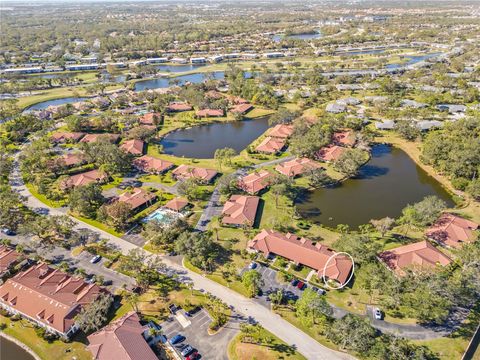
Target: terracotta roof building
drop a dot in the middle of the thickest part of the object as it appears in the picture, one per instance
(241, 108)
(8, 258)
(121, 340)
(420, 254)
(296, 167)
(271, 145)
(67, 160)
(303, 251)
(85, 178)
(152, 165)
(179, 106)
(282, 131)
(330, 153)
(177, 204)
(344, 138)
(255, 182)
(137, 198)
(48, 297)
(62, 137)
(184, 172)
(89, 138)
(150, 118)
(240, 210)
(134, 146)
(209, 113)
(451, 230)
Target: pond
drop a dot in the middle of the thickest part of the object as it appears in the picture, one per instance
(309, 36)
(178, 68)
(164, 82)
(202, 141)
(385, 185)
(10, 350)
(412, 59)
(44, 104)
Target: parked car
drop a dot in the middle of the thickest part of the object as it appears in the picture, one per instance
(177, 339)
(95, 259)
(252, 265)
(187, 350)
(8, 231)
(301, 285)
(173, 308)
(377, 314)
(319, 291)
(193, 356)
(91, 280)
(294, 282)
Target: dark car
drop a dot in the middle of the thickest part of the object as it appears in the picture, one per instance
(187, 350)
(193, 356)
(173, 308)
(8, 231)
(294, 282)
(301, 285)
(177, 339)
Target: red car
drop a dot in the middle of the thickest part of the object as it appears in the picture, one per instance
(300, 285)
(193, 356)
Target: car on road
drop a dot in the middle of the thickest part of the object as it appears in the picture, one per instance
(8, 231)
(193, 356)
(377, 313)
(91, 280)
(95, 259)
(187, 350)
(319, 291)
(294, 282)
(107, 283)
(252, 265)
(301, 285)
(177, 339)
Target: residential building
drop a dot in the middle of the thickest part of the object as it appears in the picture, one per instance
(270, 145)
(123, 339)
(297, 167)
(63, 137)
(184, 172)
(209, 113)
(150, 118)
(152, 165)
(282, 131)
(453, 231)
(179, 106)
(177, 204)
(240, 210)
(8, 258)
(198, 60)
(330, 153)
(90, 138)
(135, 147)
(255, 182)
(85, 178)
(344, 138)
(137, 198)
(241, 108)
(421, 254)
(48, 297)
(304, 252)
(335, 108)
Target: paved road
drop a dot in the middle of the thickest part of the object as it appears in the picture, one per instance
(214, 208)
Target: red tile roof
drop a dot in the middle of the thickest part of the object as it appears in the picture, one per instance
(297, 166)
(149, 118)
(452, 230)
(48, 295)
(151, 164)
(178, 106)
(241, 108)
(85, 178)
(236, 100)
(8, 257)
(330, 153)
(61, 136)
(420, 254)
(303, 251)
(282, 131)
(209, 113)
(89, 138)
(121, 340)
(186, 172)
(270, 145)
(255, 182)
(134, 146)
(240, 210)
(136, 198)
(344, 138)
(177, 204)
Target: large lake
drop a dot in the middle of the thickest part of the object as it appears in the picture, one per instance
(385, 185)
(10, 350)
(202, 141)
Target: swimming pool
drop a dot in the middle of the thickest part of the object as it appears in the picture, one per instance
(164, 216)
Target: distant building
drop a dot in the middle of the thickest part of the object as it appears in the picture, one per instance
(80, 67)
(273, 55)
(198, 60)
(26, 70)
(385, 125)
(210, 113)
(241, 108)
(159, 60)
(335, 108)
(178, 107)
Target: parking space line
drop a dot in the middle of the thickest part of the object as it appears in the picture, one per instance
(205, 322)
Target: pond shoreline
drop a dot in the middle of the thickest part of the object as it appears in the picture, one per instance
(20, 344)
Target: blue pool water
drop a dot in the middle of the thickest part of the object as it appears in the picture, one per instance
(162, 215)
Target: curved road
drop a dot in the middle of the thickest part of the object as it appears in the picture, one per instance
(281, 328)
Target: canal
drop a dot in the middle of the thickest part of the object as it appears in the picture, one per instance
(202, 141)
(386, 184)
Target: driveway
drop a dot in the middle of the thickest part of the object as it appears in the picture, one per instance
(196, 332)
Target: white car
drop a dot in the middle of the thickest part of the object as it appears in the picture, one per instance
(378, 314)
(95, 259)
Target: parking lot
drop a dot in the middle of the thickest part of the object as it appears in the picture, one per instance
(195, 330)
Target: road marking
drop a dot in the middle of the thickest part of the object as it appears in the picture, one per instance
(205, 322)
(183, 320)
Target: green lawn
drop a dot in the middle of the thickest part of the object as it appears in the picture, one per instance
(99, 225)
(56, 350)
(43, 198)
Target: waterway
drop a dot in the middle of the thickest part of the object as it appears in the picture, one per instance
(11, 351)
(44, 104)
